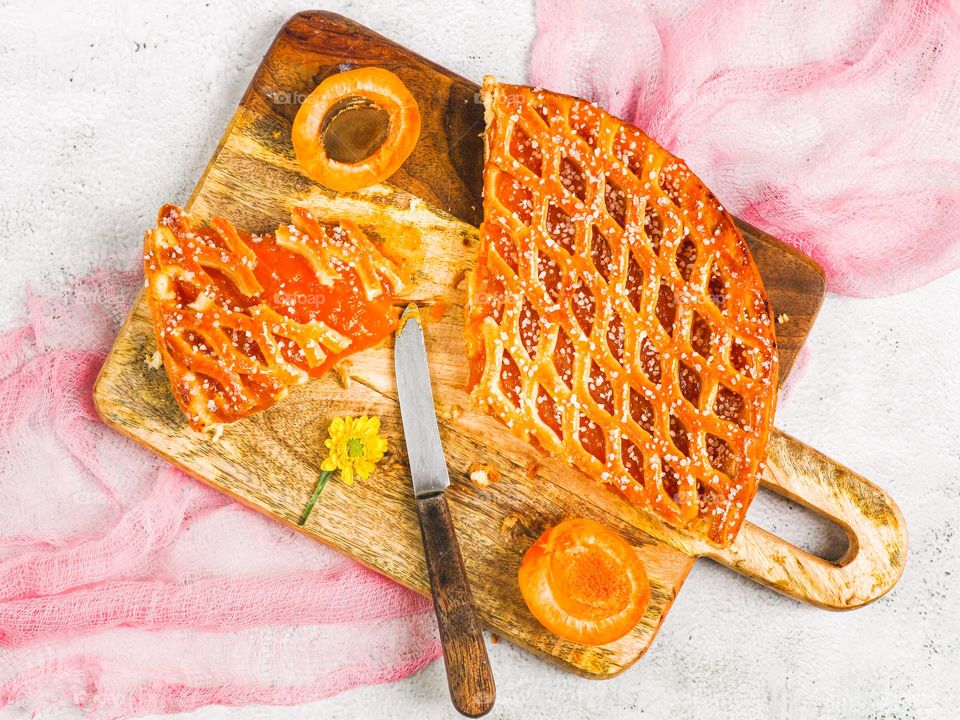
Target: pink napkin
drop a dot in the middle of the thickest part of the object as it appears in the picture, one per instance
(127, 588)
(833, 126)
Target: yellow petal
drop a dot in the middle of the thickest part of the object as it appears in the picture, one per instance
(329, 465)
(336, 427)
(346, 474)
(365, 425)
(364, 468)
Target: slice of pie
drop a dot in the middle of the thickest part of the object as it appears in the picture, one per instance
(615, 316)
(239, 319)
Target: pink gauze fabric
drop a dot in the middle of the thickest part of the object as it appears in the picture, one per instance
(127, 588)
(834, 126)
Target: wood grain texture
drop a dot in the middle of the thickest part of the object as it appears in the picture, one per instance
(874, 526)
(469, 674)
(270, 461)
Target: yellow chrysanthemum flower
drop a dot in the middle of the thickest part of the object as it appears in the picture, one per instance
(355, 445)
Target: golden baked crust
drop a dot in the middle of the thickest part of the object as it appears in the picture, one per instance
(239, 319)
(615, 315)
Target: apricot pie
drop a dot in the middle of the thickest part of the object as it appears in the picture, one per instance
(615, 316)
(239, 319)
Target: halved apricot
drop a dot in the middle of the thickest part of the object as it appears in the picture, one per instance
(584, 582)
(356, 129)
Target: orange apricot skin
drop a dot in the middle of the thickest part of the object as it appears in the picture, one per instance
(570, 618)
(385, 90)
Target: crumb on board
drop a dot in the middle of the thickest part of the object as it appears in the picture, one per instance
(458, 278)
(215, 431)
(533, 467)
(783, 318)
(436, 310)
(494, 638)
(508, 524)
(483, 475)
(454, 412)
(154, 361)
(342, 369)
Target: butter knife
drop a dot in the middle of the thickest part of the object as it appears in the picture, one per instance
(469, 675)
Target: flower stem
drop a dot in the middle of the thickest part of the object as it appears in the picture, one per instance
(321, 483)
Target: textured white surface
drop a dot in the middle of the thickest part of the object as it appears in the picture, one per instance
(110, 110)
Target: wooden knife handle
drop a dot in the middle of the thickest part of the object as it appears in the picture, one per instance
(469, 674)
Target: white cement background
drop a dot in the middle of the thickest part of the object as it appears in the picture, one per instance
(109, 110)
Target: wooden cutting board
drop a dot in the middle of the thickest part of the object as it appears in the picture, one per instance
(270, 461)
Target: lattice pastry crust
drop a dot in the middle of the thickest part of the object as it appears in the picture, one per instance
(239, 319)
(615, 316)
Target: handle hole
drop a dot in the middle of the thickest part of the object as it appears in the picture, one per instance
(800, 525)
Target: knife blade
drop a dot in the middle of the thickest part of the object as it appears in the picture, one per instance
(428, 467)
(469, 675)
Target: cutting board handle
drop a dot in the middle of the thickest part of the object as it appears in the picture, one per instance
(873, 523)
